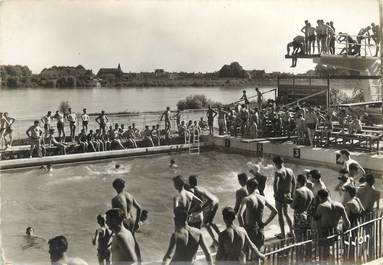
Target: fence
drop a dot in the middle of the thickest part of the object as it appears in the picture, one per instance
(345, 44)
(358, 245)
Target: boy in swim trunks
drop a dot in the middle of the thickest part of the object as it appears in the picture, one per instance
(8, 129)
(284, 188)
(103, 237)
(210, 206)
(85, 120)
(72, 118)
(60, 125)
(102, 120)
(34, 134)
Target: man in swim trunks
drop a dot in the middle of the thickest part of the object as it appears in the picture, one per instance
(222, 120)
(177, 117)
(103, 238)
(210, 119)
(305, 30)
(166, 114)
(346, 160)
(298, 48)
(233, 242)
(82, 141)
(326, 217)
(8, 122)
(131, 137)
(210, 206)
(311, 119)
(364, 33)
(34, 134)
(72, 118)
(102, 120)
(85, 120)
(58, 247)
(125, 201)
(284, 188)
(46, 121)
(187, 200)
(241, 193)
(185, 241)
(147, 134)
(259, 98)
(31, 240)
(250, 214)
(155, 135)
(124, 245)
(352, 48)
(244, 98)
(375, 36)
(303, 197)
(60, 125)
(261, 179)
(51, 140)
(321, 36)
(368, 194)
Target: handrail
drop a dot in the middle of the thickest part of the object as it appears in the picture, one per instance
(309, 96)
(328, 237)
(235, 102)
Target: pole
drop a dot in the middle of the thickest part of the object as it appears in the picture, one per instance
(381, 52)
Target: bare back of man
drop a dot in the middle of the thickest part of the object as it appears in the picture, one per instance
(232, 244)
(123, 248)
(125, 201)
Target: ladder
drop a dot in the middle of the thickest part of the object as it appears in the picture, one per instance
(194, 145)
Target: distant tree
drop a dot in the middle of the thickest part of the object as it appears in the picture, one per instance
(64, 106)
(196, 102)
(233, 70)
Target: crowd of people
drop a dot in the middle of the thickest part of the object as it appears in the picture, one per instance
(108, 135)
(269, 119)
(257, 119)
(324, 36)
(195, 208)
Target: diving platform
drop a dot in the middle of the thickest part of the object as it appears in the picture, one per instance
(302, 56)
(354, 63)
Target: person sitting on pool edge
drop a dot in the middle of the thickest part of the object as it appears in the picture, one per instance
(57, 252)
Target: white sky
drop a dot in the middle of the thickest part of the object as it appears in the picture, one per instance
(174, 35)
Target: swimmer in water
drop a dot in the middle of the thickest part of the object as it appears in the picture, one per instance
(47, 168)
(173, 164)
(31, 240)
(117, 166)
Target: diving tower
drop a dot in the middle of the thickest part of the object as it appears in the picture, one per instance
(368, 67)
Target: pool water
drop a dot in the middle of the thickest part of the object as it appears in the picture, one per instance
(67, 200)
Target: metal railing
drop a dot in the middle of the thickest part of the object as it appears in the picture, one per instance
(360, 244)
(362, 45)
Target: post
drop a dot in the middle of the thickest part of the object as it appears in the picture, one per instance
(381, 52)
(328, 93)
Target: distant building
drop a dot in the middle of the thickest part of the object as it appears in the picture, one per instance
(110, 73)
(159, 72)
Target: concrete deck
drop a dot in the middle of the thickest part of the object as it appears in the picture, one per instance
(295, 153)
(254, 147)
(72, 158)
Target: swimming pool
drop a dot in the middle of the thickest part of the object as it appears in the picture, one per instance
(67, 200)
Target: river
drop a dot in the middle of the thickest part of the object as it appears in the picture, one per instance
(32, 103)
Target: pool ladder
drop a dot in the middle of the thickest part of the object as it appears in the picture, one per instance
(194, 145)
